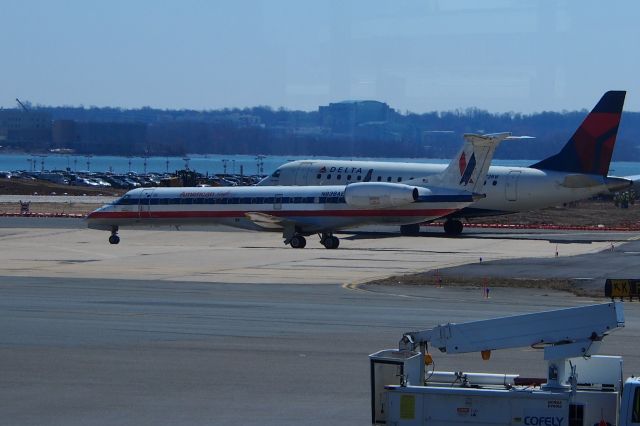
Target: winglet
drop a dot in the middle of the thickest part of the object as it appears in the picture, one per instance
(590, 148)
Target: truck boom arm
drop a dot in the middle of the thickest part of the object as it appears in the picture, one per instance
(566, 333)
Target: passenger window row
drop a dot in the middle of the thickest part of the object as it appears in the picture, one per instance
(358, 178)
(242, 200)
(348, 178)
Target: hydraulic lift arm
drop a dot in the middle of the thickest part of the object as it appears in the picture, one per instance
(565, 333)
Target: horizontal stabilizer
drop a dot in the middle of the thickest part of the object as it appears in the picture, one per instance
(577, 181)
(618, 184)
(635, 181)
(511, 138)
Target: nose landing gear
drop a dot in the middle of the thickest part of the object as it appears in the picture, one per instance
(114, 239)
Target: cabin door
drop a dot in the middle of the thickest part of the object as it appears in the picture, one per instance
(144, 207)
(511, 186)
(302, 174)
(277, 202)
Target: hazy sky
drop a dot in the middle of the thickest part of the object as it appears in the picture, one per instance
(423, 55)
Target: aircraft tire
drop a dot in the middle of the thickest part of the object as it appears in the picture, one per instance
(114, 239)
(410, 230)
(453, 227)
(298, 241)
(331, 243)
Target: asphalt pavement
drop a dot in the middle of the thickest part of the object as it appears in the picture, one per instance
(229, 327)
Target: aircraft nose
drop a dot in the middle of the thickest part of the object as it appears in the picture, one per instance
(93, 214)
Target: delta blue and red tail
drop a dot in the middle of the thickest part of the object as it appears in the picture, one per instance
(590, 148)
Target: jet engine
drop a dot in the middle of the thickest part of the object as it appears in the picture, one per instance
(381, 194)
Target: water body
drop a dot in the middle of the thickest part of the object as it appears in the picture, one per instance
(215, 164)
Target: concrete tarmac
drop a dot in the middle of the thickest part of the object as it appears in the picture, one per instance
(228, 327)
(227, 255)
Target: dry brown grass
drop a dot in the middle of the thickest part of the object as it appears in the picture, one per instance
(430, 279)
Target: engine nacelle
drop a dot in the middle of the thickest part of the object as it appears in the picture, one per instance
(381, 194)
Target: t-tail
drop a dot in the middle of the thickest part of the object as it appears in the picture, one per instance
(468, 169)
(590, 148)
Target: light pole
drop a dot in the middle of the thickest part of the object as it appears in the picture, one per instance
(260, 163)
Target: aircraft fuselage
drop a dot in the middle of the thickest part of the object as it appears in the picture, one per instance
(315, 209)
(508, 189)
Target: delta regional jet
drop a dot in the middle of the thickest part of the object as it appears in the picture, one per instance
(299, 211)
(577, 172)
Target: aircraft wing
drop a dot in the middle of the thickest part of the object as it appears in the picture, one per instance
(271, 222)
(268, 221)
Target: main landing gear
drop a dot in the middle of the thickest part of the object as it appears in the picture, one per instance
(329, 241)
(114, 239)
(298, 241)
(326, 239)
(453, 227)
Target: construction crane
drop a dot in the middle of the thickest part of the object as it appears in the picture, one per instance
(22, 105)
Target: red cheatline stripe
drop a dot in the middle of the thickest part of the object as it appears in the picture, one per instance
(294, 213)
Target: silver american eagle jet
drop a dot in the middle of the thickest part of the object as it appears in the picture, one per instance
(299, 211)
(579, 171)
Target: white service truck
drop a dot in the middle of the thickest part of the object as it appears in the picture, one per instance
(581, 389)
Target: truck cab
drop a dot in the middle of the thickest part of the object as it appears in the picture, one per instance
(630, 405)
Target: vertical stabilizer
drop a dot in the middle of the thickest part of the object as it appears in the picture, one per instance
(468, 169)
(590, 148)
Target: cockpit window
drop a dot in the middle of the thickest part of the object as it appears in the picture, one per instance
(124, 200)
(276, 174)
